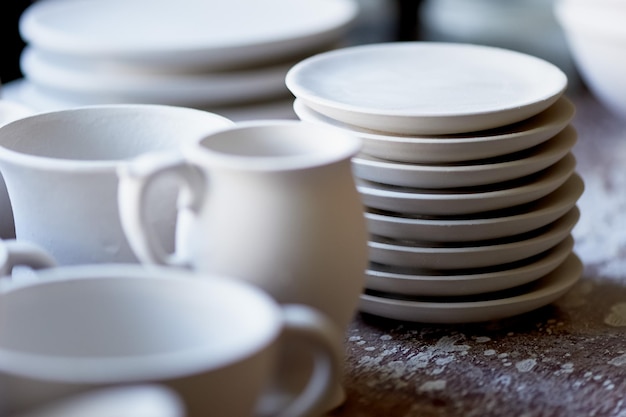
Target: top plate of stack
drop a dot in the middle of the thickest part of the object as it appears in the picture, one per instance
(427, 88)
(186, 34)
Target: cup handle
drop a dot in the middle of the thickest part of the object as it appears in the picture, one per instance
(322, 340)
(20, 253)
(135, 180)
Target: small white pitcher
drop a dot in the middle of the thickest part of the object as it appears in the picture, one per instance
(271, 202)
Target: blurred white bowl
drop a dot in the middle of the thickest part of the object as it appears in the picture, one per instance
(596, 35)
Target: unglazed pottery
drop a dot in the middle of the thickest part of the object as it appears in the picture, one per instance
(271, 202)
(468, 200)
(428, 282)
(93, 327)
(60, 173)
(478, 308)
(9, 111)
(202, 35)
(85, 84)
(431, 88)
(436, 149)
(16, 253)
(465, 255)
(480, 226)
(595, 37)
(475, 173)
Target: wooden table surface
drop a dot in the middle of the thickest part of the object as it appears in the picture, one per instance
(565, 359)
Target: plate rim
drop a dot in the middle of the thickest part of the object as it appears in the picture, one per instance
(475, 173)
(411, 120)
(209, 55)
(551, 207)
(440, 148)
(501, 279)
(415, 202)
(515, 248)
(467, 312)
(219, 88)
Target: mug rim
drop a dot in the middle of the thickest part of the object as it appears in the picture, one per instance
(339, 146)
(175, 363)
(16, 157)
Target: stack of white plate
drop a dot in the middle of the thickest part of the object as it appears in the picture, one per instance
(229, 57)
(466, 173)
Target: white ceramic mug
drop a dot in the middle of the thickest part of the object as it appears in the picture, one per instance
(60, 172)
(213, 341)
(15, 253)
(9, 112)
(271, 202)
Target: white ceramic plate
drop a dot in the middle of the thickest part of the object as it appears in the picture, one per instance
(483, 172)
(186, 34)
(21, 91)
(426, 87)
(483, 226)
(185, 89)
(10, 111)
(492, 306)
(25, 93)
(469, 200)
(412, 281)
(466, 255)
(454, 148)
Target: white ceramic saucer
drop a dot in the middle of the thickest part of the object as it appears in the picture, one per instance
(413, 281)
(23, 92)
(482, 226)
(469, 200)
(479, 308)
(467, 255)
(482, 172)
(426, 87)
(197, 33)
(186, 89)
(454, 148)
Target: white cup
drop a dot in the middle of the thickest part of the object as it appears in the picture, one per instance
(60, 173)
(9, 112)
(270, 202)
(213, 341)
(15, 253)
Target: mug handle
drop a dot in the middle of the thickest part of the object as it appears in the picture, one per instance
(136, 178)
(322, 340)
(20, 253)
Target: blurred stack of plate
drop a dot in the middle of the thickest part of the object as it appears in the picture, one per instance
(466, 174)
(228, 57)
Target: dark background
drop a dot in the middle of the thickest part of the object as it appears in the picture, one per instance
(12, 44)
